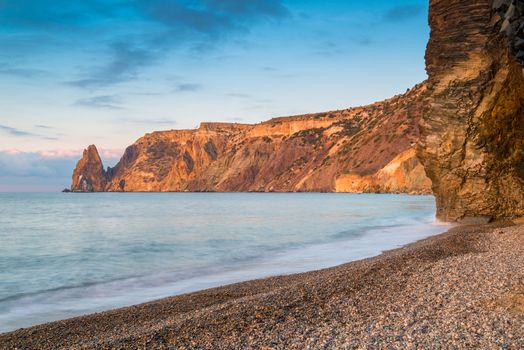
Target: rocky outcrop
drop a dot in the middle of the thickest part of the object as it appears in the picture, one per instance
(315, 152)
(89, 174)
(472, 142)
(404, 174)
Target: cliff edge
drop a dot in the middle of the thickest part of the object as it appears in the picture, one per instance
(472, 129)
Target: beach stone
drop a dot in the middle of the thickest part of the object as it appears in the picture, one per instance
(475, 220)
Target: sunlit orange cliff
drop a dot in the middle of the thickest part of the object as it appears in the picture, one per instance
(364, 149)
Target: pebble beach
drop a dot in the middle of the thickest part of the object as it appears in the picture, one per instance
(461, 289)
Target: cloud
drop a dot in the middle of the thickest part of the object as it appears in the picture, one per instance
(188, 87)
(100, 102)
(14, 132)
(26, 164)
(239, 95)
(28, 73)
(361, 41)
(126, 59)
(22, 133)
(151, 121)
(268, 69)
(329, 48)
(133, 35)
(268, 7)
(43, 171)
(74, 153)
(403, 12)
(236, 119)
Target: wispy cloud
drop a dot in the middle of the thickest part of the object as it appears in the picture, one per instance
(361, 40)
(161, 122)
(164, 26)
(126, 58)
(404, 12)
(236, 119)
(188, 87)
(253, 7)
(329, 48)
(100, 102)
(22, 133)
(105, 153)
(43, 171)
(33, 164)
(14, 131)
(28, 73)
(239, 95)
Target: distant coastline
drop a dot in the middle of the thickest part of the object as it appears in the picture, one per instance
(369, 149)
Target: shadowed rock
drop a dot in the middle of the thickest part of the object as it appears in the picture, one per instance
(472, 141)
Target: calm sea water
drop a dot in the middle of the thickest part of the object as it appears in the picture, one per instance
(63, 255)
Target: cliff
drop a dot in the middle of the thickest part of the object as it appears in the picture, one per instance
(364, 149)
(472, 142)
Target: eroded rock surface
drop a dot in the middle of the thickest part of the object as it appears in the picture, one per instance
(472, 141)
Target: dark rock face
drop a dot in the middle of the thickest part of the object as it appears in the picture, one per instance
(511, 13)
(472, 142)
(89, 174)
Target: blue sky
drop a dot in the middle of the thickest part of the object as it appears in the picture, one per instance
(73, 73)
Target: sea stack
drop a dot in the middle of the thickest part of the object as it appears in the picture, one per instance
(89, 174)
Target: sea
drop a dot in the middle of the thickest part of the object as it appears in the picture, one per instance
(64, 255)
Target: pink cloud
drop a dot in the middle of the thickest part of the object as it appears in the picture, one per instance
(69, 153)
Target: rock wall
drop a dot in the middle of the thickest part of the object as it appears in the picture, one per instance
(472, 142)
(302, 153)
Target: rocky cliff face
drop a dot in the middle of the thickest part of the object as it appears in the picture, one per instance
(364, 149)
(472, 142)
(404, 174)
(89, 175)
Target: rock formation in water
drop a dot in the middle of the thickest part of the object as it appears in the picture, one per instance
(89, 174)
(472, 142)
(364, 149)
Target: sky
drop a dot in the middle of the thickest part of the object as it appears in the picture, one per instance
(105, 72)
